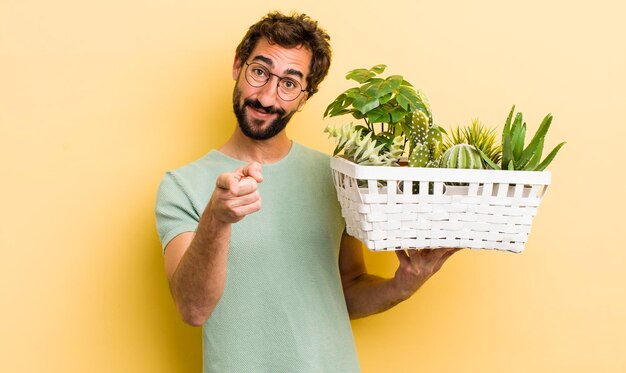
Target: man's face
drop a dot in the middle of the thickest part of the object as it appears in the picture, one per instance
(260, 112)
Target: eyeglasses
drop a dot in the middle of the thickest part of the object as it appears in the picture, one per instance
(258, 75)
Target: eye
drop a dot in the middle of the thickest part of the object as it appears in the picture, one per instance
(289, 84)
(258, 72)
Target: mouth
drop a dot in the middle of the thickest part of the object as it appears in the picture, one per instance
(262, 111)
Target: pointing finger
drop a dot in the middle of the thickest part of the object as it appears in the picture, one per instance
(253, 170)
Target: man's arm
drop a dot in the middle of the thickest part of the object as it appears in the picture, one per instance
(195, 263)
(367, 294)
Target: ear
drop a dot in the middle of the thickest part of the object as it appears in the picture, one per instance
(236, 68)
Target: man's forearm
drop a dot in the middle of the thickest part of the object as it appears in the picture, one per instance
(198, 282)
(369, 294)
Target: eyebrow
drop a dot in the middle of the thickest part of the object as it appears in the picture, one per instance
(269, 62)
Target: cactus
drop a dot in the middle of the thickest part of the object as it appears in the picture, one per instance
(425, 139)
(461, 156)
(478, 135)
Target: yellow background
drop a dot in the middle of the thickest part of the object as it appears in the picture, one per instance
(99, 98)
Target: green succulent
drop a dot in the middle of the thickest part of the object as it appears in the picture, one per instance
(365, 149)
(515, 156)
(477, 135)
(425, 139)
(461, 156)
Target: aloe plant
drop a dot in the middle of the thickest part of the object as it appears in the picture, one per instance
(515, 156)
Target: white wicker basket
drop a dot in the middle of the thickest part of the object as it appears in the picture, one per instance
(383, 209)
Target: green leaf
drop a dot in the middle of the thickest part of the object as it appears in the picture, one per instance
(542, 166)
(340, 112)
(357, 114)
(385, 99)
(519, 119)
(537, 138)
(342, 101)
(511, 166)
(507, 124)
(507, 150)
(379, 69)
(353, 92)
(517, 139)
(377, 88)
(360, 75)
(488, 160)
(337, 103)
(384, 138)
(362, 128)
(379, 115)
(395, 81)
(338, 106)
(534, 160)
(386, 114)
(408, 100)
(365, 104)
(338, 149)
(397, 115)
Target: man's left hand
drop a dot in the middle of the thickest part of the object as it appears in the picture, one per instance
(417, 266)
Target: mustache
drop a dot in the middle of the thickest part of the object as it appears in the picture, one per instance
(267, 109)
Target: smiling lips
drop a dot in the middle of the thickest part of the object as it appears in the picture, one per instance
(257, 107)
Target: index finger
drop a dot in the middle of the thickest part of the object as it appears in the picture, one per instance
(253, 170)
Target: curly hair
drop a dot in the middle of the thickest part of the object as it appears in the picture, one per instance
(289, 32)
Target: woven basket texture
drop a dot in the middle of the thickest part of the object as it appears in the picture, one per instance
(392, 208)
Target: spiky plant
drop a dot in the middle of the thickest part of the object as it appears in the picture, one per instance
(363, 149)
(477, 135)
(517, 156)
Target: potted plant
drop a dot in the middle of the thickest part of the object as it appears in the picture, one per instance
(390, 207)
(514, 155)
(394, 115)
(483, 151)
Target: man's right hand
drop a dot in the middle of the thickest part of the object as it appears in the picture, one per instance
(236, 195)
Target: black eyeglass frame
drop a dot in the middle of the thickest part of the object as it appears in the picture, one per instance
(270, 74)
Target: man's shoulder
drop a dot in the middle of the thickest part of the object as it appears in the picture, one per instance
(200, 172)
(211, 162)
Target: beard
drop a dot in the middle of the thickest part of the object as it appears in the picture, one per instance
(253, 128)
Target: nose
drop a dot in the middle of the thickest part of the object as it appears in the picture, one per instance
(268, 93)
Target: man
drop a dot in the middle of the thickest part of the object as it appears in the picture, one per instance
(273, 285)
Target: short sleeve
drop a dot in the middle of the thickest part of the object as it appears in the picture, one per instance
(175, 213)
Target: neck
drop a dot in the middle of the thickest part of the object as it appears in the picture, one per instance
(241, 147)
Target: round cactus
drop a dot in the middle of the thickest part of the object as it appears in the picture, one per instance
(461, 156)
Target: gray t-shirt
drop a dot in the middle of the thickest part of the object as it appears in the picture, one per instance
(283, 308)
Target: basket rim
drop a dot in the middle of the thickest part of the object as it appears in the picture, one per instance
(357, 171)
